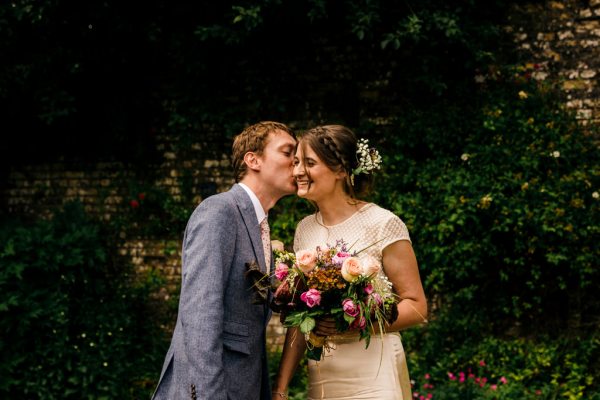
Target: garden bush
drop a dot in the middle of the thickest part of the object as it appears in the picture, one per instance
(501, 196)
(75, 322)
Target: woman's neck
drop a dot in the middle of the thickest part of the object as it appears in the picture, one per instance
(338, 209)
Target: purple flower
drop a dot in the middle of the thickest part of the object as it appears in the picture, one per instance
(312, 297)
(369, 289)
(350, 308)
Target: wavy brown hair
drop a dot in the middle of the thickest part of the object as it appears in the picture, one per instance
(254, 139)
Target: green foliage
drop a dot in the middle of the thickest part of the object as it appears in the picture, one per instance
(153, 212)
(542, 368)
(285, 215)
(74, 321)
(502, 202)
(205, 70)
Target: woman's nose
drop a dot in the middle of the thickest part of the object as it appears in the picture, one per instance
(298, 171)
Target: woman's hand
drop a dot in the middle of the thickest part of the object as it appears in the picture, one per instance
(326, 327)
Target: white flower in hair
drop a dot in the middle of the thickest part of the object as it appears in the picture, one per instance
(368, 158)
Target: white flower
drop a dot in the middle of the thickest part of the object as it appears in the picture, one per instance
(556, 154)
(368, 158)
(596, 195)
(465, 157)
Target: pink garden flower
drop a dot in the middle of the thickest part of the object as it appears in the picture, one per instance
(351, 269)
(307, 260)
(340, 257)
(350, 308)
(312, 297)
(371, 265)
(281, 271)
(359, 323)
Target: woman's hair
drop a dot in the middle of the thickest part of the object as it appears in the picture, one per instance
(336, 146)
(254, 138)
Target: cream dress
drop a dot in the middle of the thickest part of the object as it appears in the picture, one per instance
(348, 370)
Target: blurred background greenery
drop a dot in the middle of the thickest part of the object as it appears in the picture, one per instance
(496, 180)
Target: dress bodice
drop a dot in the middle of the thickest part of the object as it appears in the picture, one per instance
(371, 227)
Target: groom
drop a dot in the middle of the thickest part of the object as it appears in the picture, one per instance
(218, 348)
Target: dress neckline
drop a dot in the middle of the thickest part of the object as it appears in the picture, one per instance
(319, 217)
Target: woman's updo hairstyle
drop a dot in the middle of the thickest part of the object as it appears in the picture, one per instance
(336, 146)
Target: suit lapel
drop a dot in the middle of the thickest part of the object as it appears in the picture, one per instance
(248, 214)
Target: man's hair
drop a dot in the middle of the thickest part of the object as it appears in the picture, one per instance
(254, 139)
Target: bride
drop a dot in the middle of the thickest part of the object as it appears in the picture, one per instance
(332, 169)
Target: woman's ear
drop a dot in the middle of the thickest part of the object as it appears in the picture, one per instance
(341, 174)
(252, 161)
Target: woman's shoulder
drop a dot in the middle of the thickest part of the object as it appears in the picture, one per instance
(376, 213)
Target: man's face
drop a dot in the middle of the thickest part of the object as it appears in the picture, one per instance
(277, 163)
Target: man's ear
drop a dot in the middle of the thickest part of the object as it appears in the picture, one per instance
(252, 161)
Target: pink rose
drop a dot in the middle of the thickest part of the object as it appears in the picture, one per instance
(306, 260)
(350, 308)
(340, 257)
(369, 289)
(359, 323)
(281, 271)
(371, 265)
(312, 297)
(351, 269)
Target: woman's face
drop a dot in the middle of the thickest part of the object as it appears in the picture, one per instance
(314, 178)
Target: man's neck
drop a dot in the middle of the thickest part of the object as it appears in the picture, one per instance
(266, 198)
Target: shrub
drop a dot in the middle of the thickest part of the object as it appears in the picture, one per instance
(501, 198)
(74, 320)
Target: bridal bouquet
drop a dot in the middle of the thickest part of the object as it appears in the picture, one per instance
(332, 281)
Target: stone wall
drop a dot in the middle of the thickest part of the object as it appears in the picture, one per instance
(561, 39)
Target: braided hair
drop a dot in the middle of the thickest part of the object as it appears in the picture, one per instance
(336, 146)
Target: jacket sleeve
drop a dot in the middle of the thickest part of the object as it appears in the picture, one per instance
(208, 247)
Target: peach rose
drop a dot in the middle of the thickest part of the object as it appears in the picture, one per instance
(306, 260)
(277, 245)
(371, 265)
(351, 269)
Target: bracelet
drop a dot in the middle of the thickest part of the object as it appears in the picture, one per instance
(281, 394)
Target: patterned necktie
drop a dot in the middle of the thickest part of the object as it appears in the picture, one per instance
(265, 235)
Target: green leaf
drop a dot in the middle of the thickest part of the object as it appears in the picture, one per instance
(307, 325)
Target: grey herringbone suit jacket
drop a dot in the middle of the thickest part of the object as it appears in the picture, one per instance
(218, 348)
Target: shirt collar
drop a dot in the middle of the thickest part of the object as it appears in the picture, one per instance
(260, 212)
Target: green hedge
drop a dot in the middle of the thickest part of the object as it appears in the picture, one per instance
(75, 323)
(501, 196)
